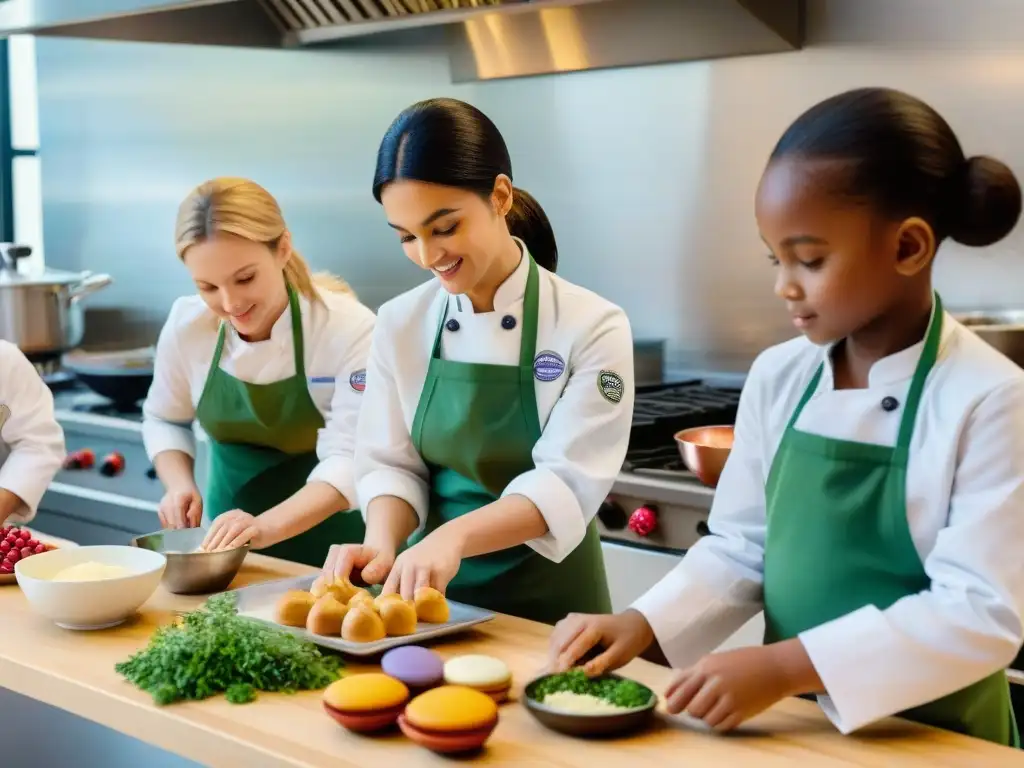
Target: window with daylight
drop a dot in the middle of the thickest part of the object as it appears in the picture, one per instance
(21, 200)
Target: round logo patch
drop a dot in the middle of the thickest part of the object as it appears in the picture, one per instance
(358, 380)
(548, 366)
(611, 386)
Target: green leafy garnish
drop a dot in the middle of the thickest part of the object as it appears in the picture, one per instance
(622, 693)
(213, 650)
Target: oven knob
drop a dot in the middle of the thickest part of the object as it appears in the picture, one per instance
(643, 521)
(703, 529)
(612, 516)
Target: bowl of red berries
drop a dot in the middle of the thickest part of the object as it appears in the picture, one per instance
(17, 544)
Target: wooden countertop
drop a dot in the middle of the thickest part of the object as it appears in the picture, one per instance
(75, 672)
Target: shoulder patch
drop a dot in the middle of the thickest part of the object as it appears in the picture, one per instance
(548, 366)
(358, 380)
(611, 386)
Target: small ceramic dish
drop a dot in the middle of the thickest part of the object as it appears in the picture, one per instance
(614, 723)
(449, 720)
(366, 702)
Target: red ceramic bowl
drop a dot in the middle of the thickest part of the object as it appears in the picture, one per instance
(365, 722)
(447, 742)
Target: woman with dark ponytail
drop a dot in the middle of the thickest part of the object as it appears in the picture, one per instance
(873, 502)
(500, 396)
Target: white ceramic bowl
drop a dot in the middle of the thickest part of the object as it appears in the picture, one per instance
(89, 604)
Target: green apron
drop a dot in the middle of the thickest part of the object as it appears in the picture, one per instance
(475, 427)
(263, 448)
(838, 540)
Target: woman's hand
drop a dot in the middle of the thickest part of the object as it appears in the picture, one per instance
(181, 508)
(623, 636)
(372, 563)
(235, 529)
(432, 562)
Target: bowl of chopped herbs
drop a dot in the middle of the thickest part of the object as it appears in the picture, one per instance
(577, 705)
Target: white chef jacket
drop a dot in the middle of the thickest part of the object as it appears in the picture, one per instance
(31, 441)
(336, 341)
(965, 507)
(585, 434)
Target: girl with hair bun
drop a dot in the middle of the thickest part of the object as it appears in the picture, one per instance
(270, 360)
(872, 503)
(500, 396)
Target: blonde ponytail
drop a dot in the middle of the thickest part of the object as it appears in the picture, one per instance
(310, 285)
(245, 209)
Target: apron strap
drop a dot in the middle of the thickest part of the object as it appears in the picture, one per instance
(528, 349)
(298, 343)
(806, 397)
(215, 362)
(929, 355)
(436, 353)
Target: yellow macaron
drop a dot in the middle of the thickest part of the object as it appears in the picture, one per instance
(451, 708)
(367, 692)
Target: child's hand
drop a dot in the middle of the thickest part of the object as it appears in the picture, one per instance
(622, 636)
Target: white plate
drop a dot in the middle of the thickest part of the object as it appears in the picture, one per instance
(257, 602)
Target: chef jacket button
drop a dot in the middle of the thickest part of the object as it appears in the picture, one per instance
(452, 325)
(890, 404)
(508, 322)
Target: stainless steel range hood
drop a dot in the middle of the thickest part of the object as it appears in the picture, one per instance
(487, 39)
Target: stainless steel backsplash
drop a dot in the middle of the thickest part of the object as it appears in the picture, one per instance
(648, 174)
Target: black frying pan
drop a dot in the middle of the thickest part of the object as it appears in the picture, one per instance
(122, 377)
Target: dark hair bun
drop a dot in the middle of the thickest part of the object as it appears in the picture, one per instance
(988, 203)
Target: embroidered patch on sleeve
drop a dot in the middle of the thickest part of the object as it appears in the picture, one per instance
(611, 386)
(358, 380)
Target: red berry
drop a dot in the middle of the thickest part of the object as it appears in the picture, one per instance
(39, 549)
(6, 568)
(27, 552)
(5, 547)
(12, 539)
(13, 556)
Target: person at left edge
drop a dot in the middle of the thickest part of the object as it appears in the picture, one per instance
(500, 395)
(270, 361)
(31, 439)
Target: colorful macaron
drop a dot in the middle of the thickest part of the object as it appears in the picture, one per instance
(450, 719)
(481, 673)
(416, 666)
(366, 702)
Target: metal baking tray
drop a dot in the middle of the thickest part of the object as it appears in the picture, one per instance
(257, 602)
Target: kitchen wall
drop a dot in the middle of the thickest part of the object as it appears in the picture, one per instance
(648, 173)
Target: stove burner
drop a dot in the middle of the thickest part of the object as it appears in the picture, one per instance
(662, 411)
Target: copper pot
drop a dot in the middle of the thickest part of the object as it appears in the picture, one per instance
(704, 451)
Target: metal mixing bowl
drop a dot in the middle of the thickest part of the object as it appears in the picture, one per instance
(190, 572)
(704, 451)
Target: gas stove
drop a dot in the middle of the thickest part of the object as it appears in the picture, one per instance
(656, 502)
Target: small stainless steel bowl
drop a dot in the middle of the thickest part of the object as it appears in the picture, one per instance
(704, 451)
(189, 572)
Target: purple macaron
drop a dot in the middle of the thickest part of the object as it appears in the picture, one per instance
(414, 665)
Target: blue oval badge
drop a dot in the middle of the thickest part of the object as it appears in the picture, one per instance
(358, 380)
(548, 366)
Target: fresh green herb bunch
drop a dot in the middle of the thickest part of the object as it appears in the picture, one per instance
(622, 693)
(213, 650)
